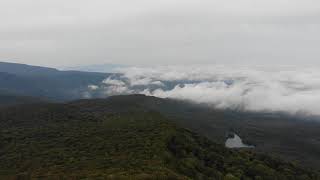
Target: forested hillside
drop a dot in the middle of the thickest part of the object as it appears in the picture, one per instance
(291, 137)
(118, 138)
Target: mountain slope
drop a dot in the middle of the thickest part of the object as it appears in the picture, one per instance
(11, 100)
(23, 69)
(25, 80)
(118, 138)
(14, 84)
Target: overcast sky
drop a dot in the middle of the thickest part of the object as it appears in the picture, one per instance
(157, 32)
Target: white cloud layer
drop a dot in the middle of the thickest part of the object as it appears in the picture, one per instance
(284, 89)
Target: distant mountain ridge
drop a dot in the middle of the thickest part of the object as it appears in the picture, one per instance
(23, 69)
(26, 80)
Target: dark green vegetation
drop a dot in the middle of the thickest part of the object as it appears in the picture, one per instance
(120, 138)
(48, 83)
(292, 138)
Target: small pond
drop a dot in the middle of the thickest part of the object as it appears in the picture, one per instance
(236, 142)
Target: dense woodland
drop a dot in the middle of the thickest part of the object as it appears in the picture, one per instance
(119, 139)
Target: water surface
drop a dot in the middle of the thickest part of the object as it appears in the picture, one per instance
(236, 142)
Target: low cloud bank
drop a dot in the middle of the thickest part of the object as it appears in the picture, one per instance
(284, 89)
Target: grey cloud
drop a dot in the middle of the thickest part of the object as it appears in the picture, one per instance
(141, 32)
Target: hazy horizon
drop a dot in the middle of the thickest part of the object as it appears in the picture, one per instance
(144, 33)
